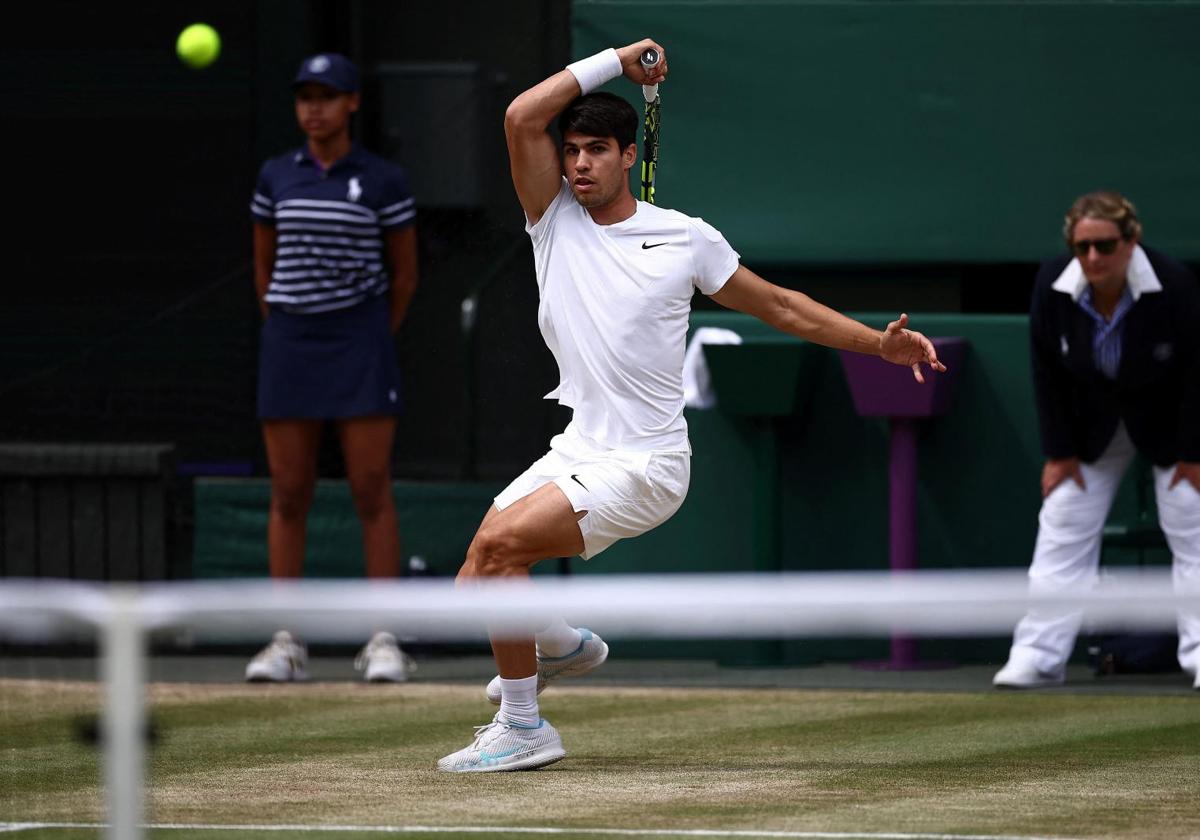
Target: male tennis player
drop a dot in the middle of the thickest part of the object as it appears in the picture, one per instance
(615, 277)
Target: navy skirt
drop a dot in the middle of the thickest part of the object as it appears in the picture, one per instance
(328, 365)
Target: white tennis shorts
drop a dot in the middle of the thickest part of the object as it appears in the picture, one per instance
(625, 493)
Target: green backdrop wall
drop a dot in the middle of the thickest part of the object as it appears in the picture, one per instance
(883, 132)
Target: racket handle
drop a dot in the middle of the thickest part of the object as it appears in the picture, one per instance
(650, 58)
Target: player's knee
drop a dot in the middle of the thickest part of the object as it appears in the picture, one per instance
(493, 553)
(466, 574)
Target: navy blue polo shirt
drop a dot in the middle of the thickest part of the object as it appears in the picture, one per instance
(329, 227)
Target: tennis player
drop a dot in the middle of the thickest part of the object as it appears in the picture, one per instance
(616, 278)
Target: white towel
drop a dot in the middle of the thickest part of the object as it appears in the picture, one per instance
(697, 384)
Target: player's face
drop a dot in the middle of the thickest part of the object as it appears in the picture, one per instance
(323, 112)
(1090, 239)
(596, 168)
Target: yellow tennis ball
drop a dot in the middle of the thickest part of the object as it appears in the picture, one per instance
(198, 45)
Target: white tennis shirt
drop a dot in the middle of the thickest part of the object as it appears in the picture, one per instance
(614, 304)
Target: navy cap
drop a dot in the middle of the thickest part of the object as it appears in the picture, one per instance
(330, 69)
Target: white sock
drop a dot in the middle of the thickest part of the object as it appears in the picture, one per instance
(559, 639)
(518, 701)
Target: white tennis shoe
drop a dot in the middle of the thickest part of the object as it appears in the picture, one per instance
(381, 660)
(284, 660)
(1018, 674)
(589, 656)
(501, 746)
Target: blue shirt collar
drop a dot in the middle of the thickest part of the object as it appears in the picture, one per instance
(1124, 304)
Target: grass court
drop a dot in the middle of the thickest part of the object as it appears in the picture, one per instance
(641, 761)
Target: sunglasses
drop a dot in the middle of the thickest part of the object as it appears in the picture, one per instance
(1102, 246)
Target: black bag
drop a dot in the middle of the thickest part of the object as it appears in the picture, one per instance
(1134, 653)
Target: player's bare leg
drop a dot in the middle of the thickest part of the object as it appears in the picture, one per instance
(508, 543)
(555, 644)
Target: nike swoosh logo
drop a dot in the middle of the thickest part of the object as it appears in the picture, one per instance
(575, 478)
(646, 247)
(486, 757)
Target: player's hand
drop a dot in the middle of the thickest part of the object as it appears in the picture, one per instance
(906, 347)
(1058, 470)
(1186, 471)
(631, 63)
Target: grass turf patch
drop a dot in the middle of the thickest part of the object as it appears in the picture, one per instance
(1042, 764)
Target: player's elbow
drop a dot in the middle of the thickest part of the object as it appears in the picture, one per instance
(521, 118)
(514, 116)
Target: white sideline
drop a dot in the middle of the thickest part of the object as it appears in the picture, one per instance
(548, 830)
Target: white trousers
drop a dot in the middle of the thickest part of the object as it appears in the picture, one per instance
(1067, 554)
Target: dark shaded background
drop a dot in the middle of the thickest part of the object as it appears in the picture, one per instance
(128, 309)
(128, 312)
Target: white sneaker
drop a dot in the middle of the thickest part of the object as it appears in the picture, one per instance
(1196, 682)
(284, 660)
(502, 746)
(383, 660)
(1024, 675)
(589, 656)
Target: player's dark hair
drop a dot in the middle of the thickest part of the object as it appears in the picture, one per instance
(601, 114)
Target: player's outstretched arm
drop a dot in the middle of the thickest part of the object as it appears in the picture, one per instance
(799, 315)
(533, 158)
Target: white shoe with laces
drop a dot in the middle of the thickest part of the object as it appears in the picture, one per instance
(284, 660)
(500, 746)
(589, 656)
(383, 661)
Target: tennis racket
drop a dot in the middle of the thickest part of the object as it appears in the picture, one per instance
(650, 59)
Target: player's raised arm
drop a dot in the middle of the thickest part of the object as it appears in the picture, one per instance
(533, 157)
(799, 315)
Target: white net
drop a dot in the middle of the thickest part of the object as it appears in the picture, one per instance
(672, 606)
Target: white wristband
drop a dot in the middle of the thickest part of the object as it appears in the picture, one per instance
(595, 70)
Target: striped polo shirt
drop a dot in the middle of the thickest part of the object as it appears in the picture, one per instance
(330, 227)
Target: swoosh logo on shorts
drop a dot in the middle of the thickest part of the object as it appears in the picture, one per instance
(646, 247)
(575, 478)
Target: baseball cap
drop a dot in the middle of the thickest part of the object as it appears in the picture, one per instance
(330, 69)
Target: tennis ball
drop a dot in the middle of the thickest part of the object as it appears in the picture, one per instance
(198, 45)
